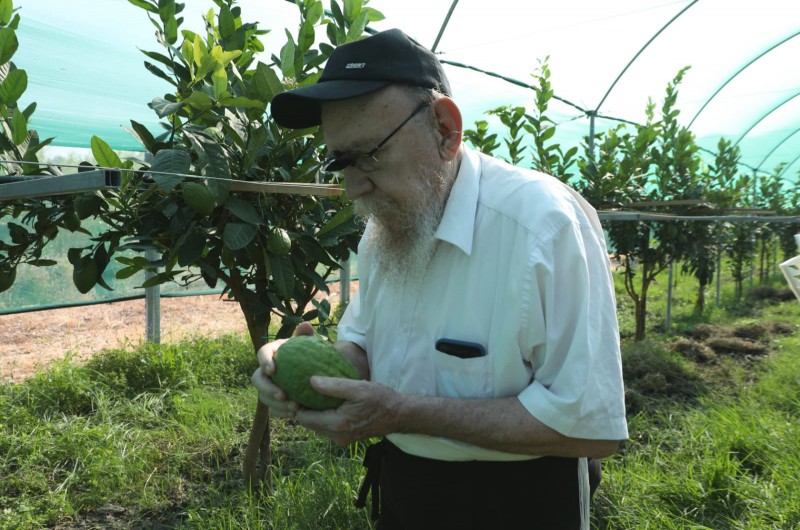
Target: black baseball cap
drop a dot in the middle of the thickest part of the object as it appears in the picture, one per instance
(359, 68)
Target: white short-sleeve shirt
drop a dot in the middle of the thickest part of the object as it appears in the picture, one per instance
(522, 269)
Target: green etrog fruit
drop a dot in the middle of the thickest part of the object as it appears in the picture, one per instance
(304, 356)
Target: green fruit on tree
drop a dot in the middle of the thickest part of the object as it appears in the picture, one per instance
(304, 356)
(87, 205)
(198, 197)
(85, 274)
(71, 221)
(7, 279)
(278, 242)
(672, 230)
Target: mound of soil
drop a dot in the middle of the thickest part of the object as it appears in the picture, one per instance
(705, 341)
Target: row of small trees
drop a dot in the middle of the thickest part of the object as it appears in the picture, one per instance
(656, 167)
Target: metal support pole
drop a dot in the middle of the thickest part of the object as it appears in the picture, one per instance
(719, 275)
(344, 282)
(152, 304)
(668, 321)
(61, 185)
(592, 114)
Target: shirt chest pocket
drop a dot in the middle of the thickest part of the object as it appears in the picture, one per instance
(463, 378)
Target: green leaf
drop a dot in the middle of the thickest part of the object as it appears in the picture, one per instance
(6, 10)
(358, 25)
(242, 102)
(227, 24)
(306, 37)
(147, 6)
(199, 100)
(238, 235)
(314, 13)
(138, 261)
(164, 108)
(191, 250)
(200, 50)
(335, 34)
(548, 133)
(220, 189)
(34, 146)
(287, 57)
(171, 30)
(219, 79)
(244, 211)
(42, 262)
(158, 279)
(156, 71)
(102, 152)
(336, 11)
(341, 216)
(374, 14)
(126, 272)
(144, 136)
(266, 83)
(170, 161)
(352, 9)
(282, 275)
(13, 86)
(19, 127)
(163, 59)
(187, 51)
(8, 44)
(28, 111)
(238, 39)
(217, 160)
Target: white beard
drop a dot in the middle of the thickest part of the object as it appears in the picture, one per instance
(400, 238)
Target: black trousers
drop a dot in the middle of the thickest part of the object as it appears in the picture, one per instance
(421, 494)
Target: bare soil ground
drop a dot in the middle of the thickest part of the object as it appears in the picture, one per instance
(33, 341)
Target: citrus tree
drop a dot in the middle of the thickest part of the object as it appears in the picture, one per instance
(723, 190)
(651, 167)
(271, 252)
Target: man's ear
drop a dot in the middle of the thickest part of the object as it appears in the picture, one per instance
(448, 124)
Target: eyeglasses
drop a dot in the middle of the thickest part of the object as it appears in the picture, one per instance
(365, 161)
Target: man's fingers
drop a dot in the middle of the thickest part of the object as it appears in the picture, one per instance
(335, 386)
(273, 396)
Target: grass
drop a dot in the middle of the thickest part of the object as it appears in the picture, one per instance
(152, 438)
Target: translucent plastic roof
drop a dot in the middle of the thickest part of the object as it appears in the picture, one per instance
(609, 56)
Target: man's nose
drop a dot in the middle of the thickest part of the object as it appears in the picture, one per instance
(357, 183)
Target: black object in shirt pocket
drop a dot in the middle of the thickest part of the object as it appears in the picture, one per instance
(459, 348)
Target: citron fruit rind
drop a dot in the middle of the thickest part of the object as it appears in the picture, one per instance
(304, 356)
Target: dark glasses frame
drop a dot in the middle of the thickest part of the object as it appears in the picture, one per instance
(365, 161)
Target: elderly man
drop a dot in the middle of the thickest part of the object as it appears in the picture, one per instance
(484, 327)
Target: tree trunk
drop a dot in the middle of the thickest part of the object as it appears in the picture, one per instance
(641, 319)
(641, 304)
(258, 450)
(257, 463)
(700, 304)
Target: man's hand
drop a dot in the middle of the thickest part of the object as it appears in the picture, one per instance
(269, 393)
(370, 409)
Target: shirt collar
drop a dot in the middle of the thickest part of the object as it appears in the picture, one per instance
(458, 221)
